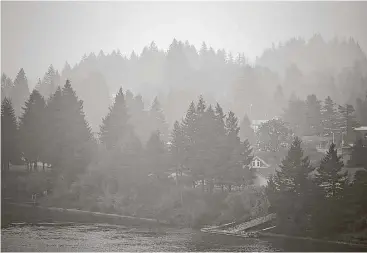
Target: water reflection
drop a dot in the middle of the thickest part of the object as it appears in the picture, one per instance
(78, 237)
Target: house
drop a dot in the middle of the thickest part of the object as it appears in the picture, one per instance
(262, 170)
(258, 163)
(361, 133)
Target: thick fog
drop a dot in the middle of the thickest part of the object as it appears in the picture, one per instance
(36, 34)
(241, 118)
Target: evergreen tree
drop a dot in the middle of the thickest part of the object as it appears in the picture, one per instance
(115, 126)
(347, 122)
(6, 86)
(189, 127)
(53, 131)
(155, 155)
(330, 176)
(330, 216)
(295, 116)
(9, 135)
(313, 115)
(69, 138)
(246, 131)
(32, 128)
(20, 92)
(48, 85)
(329, 116)
(290, 191)
(158, 121)
(177, 146)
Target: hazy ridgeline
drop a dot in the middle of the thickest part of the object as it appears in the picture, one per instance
(180, 74)
(116, 155)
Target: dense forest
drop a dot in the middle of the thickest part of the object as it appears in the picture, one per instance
(181, 73)
(87, 138)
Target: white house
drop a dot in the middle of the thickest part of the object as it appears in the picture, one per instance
(261, 170)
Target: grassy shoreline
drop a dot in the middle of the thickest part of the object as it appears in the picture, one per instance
(15, 212)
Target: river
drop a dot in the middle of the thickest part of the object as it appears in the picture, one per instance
(103, 237)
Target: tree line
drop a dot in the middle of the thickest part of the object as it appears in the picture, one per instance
(314, 117)
(205, 144)
(183, 72)
(323, 201)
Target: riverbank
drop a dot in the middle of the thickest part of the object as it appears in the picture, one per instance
(259, 228)
(18, 213)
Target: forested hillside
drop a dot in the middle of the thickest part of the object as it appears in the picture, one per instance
(182, 72)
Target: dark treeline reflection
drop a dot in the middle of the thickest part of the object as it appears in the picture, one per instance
(188, 158)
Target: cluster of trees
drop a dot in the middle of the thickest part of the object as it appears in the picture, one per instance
(313, 117)
(323, 201)
(55, 132)
(336, 67)
(179, 74)
(205, 144)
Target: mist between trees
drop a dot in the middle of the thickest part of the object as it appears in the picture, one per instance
(196, 169)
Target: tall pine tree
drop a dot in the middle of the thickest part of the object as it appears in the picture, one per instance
(32, 127)
(290, 191)
(20, 92)
(115, 126)
(9, 135)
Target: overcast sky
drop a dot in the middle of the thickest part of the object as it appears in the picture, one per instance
(36, 34)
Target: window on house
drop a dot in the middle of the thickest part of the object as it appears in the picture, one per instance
(253, 164)
(258, 163)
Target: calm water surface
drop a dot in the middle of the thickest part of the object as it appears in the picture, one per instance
(78, 237)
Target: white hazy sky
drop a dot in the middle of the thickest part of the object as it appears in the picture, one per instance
(36, 34)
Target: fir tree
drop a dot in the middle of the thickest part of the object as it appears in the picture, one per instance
(6, 86)
(290, 189)
(155, 155)
(69, 138)
(48, 85)
(20, 92)
(330, 176)
(177, 146)
(32, 128)
(189, 127)
(347, 122)
(115, 126)
(313, 115)
(329, 115)
(9, 135)
(330, 218)
(158, 121)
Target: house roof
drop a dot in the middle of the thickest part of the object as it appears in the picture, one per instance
(261, 160)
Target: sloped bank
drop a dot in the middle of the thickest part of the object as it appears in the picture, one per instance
(18, 213)
(262, 228)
